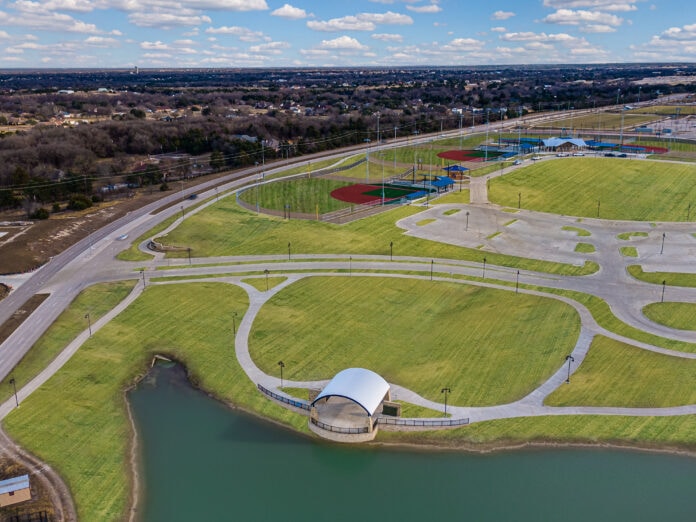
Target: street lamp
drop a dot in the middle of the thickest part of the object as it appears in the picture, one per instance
(570, 359)
(89, 323)
(431, 269)
(266, 272)
(446, 392)
(282, 365)
(234, 323)
(467, 221)
(182, 211)
(484, 268)
(288, 250)
(662, 299)
(517, 283)
(14, 385)
(391, 251)
(662, 248)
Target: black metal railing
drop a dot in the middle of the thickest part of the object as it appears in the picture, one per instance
(292, 402)
(337, 429)
(422, 423)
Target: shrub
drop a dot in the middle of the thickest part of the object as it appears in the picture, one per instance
(39, 213)
(79, 202)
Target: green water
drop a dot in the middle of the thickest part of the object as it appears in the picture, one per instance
(203, 462)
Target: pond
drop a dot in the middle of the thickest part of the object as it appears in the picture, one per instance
(203, 461)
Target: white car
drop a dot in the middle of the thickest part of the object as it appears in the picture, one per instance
(578, 154)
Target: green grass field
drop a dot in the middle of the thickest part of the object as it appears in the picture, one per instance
(675, 315)
(616, 374)
(601, 121)
(671, 278)
(225, 229)
(77, 421)
(577, 186)
(95, 300)
(301, 195)
(585, 248)
(419, 334)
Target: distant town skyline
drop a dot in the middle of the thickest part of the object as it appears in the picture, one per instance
(306, 33)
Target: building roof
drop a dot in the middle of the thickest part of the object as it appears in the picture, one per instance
(364, 387)
(14, 484)
(557, 142)
(442, 181)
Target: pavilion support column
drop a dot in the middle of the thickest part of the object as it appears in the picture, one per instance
(369, 424)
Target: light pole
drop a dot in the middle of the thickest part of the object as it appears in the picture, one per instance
(189, 255)
(288, 250)
(89, 323)
(266, 272)
(519, 200)
(281, 364)
(484, 268)
(570, 359)
(142, 274)
(517, 283)
(234, 323)
(662, 299)
(350, 265)
(467, 221)
(488, 121)
(446, 392)
(662, 248)
(391, 251)
(182, 212)
(431, 269)
(14, 385)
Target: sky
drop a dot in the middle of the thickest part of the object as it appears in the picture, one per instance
(309, 33)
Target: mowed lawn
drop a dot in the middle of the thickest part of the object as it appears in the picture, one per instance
(489, 346)
(623, 189)
(225, 229)
(305, 195)
(675, 315)
(77, 422)
(616, 374)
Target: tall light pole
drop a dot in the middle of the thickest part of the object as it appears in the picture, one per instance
(570, 359)
(664, 283)
(467, 221)
(662, 248)
(461, 136)
(281, 364)
(89, 323)
(14, 385)
(266, 272)
(623, 112)
(446, 391)
(488, 121)
(234, 323)
(484, 268)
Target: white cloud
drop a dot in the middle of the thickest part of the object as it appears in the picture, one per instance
(502, 15)
(101, 41)
(498, 30)
(243, 33)
(167, 20)
(540, 37)
(360, 22)
(686, 32)
(597, 28)
(290, 12)
(33, 16)
(344, 43)
(386, 37)
(269, 48)
(4, 35)
(427, 9)
(600, 5)
(570, 17)
(463, 44)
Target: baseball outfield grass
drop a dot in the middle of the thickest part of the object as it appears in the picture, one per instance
(581, 187)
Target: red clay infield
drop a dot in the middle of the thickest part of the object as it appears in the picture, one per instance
(355, 194)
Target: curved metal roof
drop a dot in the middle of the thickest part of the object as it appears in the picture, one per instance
(364, 387)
